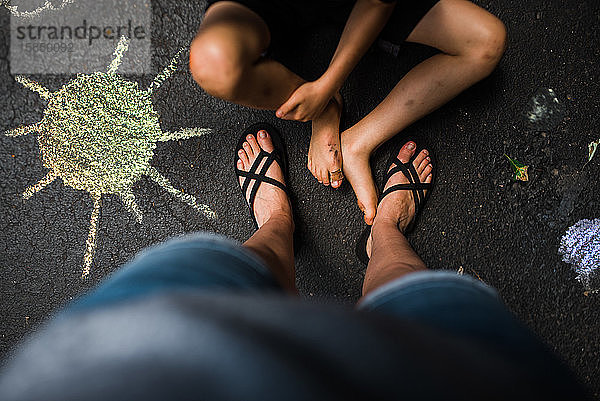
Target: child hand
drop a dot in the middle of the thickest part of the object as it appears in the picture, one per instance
(306, 103)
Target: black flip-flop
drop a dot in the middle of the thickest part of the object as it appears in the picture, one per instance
(278, 155)
(415, 185)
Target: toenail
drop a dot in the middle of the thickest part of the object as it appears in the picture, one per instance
(249, 137)
(411, 146)
(262, 134)
(427, 158)
(425, 152)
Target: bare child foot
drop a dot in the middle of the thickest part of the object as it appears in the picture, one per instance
(325, 151)
(358, 173)
(399, 206)
(270, 200)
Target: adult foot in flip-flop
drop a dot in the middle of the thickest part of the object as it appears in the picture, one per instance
(270, 200)
(400, 206)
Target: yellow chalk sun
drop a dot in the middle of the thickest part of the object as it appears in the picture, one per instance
(98, 134)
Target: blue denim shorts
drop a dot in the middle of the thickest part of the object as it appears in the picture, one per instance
(209, 262)
(193, 315)
(200, 261)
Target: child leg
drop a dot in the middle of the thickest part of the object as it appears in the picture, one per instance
(226, 61)
(472, 42)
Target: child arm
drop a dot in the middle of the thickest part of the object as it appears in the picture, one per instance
(367, 19)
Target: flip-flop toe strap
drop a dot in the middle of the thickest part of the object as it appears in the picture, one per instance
(415, 185)
(413, 176)
(253, 169)
(261, 176)
(416, 178)
(401, 167)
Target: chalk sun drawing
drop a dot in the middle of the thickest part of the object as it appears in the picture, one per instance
(98, 134)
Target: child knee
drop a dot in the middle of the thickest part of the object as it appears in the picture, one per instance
(216, 66)
(491, 45)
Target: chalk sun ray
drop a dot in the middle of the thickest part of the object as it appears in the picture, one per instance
(163, 182)
(90, 244)
(128, 199)
(34, 86)
(165, 74)
(24, 130)
(184, 133)
(14, 10)
(121, 48)
(41, 184)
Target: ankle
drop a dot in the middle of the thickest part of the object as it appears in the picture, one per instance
(334, 105)
(384, 221)
(354, 144)
(282, 219)
(399, 220)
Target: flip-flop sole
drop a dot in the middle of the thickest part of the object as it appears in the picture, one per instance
(278, 145)
(361, 246)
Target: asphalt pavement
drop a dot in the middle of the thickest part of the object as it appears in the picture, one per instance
(478, 220)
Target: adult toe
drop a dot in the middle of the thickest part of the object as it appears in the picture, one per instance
(421, 160)
(253, 143)
(407, 151)
(244, 159)
(240, 166)
(248, 150)
(429, 177)
(264, 141)
(423, 165)
(426, 174)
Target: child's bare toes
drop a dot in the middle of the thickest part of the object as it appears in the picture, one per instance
(325, 153)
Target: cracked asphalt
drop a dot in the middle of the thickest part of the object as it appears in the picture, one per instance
(506, 233)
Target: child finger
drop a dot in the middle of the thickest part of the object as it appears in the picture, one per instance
(287, 107)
